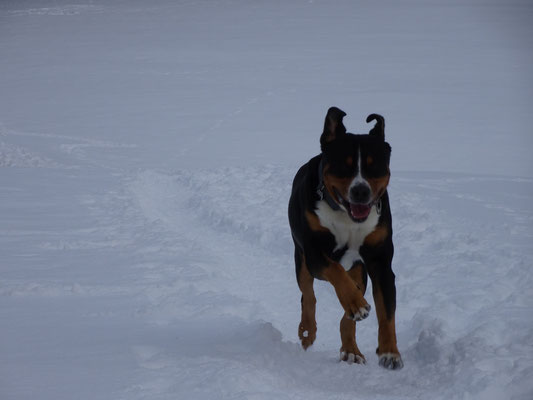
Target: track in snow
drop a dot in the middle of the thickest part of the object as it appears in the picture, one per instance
(463, 292)
(162, 284)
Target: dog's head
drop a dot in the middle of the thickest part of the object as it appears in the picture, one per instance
(355, 167)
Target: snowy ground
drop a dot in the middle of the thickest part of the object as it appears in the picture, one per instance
(146, 156)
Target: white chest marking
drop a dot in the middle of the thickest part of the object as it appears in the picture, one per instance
(346, 232)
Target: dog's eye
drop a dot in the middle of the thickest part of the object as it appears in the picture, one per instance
(343, 168)
(368, 160)
(372, 164)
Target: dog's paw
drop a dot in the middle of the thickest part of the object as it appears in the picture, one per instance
(307, 334)
(352, 300)
(390, 361)
(351, 358)
(361, 313)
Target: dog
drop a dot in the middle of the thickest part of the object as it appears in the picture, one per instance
(341, 225)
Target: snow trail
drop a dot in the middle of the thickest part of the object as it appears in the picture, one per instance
(199, 287)
(451, 297)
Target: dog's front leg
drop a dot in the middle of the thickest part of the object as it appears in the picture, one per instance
(349, 350)
(350, 296)
(384, 291)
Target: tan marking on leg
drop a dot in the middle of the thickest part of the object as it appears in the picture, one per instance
(350, 296)
(314, 222)
(307, 327)
(356, 273)
(377, 236)
(349, 350)
(387, 329)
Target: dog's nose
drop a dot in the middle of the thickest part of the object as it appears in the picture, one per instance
(360, 193)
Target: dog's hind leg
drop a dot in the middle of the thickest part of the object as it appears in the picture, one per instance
(349, 351)
(307, 327)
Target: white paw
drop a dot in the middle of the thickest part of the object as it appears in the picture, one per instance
(390, 361)
(362, 313)
(351, 358)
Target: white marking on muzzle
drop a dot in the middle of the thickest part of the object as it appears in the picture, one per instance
(358, 180)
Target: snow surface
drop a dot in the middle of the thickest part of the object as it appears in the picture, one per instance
(146, 155)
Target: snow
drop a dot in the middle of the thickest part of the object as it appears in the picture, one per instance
(146, 155)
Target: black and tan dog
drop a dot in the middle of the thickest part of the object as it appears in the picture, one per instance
(341, 225)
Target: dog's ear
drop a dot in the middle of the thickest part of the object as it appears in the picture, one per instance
(333, 126)
(378, 129)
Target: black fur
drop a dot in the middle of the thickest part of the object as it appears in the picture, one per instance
(318, 246)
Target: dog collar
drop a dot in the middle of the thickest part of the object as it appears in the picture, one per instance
(323, 193)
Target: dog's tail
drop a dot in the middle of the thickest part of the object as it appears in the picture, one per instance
(379, 128)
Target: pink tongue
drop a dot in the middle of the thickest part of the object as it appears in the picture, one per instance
(359, 210)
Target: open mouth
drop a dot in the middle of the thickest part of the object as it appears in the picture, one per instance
(358, 212)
